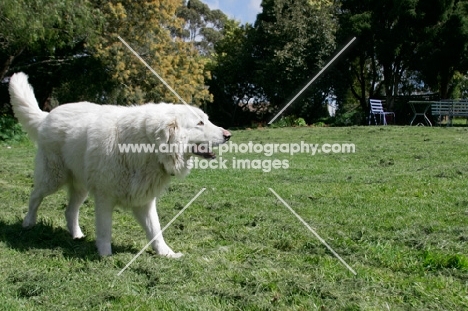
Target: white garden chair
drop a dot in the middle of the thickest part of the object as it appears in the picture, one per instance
(376, 109)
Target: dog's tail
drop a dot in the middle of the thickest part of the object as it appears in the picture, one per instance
(25, 105)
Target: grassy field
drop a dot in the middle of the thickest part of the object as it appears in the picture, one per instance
(396, 211)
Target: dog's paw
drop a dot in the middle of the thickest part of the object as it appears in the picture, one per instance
(104, 249)
(105, 254)
(174, 255)
(78, 236)
(76, 233)
(166, 251)
(28, 223)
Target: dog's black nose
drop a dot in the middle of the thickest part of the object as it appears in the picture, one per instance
(227, 135)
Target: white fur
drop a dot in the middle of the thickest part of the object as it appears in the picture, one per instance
(78, 148)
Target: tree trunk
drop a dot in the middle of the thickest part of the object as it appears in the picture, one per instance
(391, 77)
(445, 84)
(362, 81)
(7, 64)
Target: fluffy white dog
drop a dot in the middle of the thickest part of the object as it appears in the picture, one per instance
(78, 148)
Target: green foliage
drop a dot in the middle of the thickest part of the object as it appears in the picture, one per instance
(443, 52)
(293, 41)
(265, 64)
(43, 27)
(233, 72)
(47, 40)
(349, 117)
(403, 46)
(10, 129)
(63, 45)
(289, 121)
(203, 26)
(71, 52)
(148, 26)
(300, 122)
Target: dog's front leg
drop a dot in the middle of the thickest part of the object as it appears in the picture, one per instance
(147, 217)
(103, 212)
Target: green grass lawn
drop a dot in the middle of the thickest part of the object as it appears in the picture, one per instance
(396, 211)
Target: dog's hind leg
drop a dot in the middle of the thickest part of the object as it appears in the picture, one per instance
(37, 195)
(47, 180)
(104, 209)
(147, 217)
(77, 196)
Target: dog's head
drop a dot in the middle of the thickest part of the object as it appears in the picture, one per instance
(186, 131)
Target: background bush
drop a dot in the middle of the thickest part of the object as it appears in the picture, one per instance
(10, 129)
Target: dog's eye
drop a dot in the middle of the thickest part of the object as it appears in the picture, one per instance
(201, 123)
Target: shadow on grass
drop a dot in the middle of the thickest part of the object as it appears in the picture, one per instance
(45, 236)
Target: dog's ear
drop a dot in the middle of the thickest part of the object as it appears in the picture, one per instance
(162, 133)
(174, 158)
(172, 132)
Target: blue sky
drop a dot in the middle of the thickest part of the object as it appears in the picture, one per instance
(243, 10)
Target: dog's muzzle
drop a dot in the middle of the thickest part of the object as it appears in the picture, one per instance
(208, 154)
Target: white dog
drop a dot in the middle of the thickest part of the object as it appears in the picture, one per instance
(78, 147)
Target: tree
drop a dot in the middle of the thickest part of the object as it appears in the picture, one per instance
(147, 27)
(357, 74)
(42, 25)
(44, 37)
(444, 52)
(233, 76)
(388, 36)
(404, 45)
(203, 26)
(293, 41)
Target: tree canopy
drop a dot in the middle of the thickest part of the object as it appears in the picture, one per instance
(43, 27)
(293, 40)
(238, 72)
(47, 40)
(203, 26)
(405, 46)
(147, 28)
